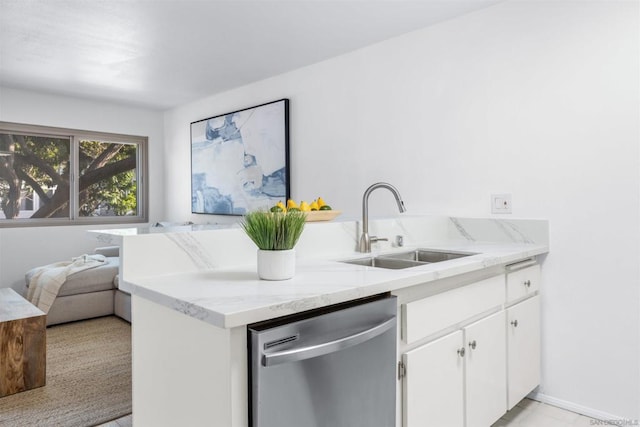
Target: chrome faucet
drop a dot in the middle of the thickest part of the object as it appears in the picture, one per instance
(365, 239)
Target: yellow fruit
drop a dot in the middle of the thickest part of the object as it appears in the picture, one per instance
(291, 204)
(321, 202)
(314, 206)
(281, 206)
(304, 206)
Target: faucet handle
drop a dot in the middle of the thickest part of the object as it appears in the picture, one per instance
(374, 239)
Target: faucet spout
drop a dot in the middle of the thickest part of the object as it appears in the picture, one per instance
(365, 239)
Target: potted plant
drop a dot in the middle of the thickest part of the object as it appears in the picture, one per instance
(275, 234)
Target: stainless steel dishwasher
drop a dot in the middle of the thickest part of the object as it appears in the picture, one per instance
(336, 368)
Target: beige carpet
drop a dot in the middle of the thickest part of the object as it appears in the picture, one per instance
(88, 378)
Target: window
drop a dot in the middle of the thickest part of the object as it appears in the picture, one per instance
(38, 170)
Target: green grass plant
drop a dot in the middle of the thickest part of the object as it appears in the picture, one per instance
(274, 231)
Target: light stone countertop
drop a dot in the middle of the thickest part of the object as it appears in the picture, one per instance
(234, 296)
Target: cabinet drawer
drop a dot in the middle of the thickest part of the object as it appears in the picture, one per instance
(522, 283)
(430, 315)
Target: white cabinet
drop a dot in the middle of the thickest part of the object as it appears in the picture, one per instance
(486, 381)
(523, 283)
(433, 387)
(471, 353)
(523, 349)
(427, 316)
(466, 365)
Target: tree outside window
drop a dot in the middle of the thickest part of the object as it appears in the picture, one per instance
(108, 185)
(36, 177)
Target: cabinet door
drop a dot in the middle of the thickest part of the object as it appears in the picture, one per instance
(433, 391)
(486, 376)
(523, 349)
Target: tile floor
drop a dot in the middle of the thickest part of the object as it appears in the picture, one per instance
(530, 413)
(527, 413)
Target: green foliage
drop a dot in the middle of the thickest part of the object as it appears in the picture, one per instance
(114, 195)
(54, 152)
(274, 231)
(41, 165)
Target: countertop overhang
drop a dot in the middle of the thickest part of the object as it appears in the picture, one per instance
(229, 297)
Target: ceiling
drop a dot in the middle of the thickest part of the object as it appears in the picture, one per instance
(162, 53)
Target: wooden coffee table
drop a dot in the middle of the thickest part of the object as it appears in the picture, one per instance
(23, 339)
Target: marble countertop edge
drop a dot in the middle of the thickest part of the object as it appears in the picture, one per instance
(234, 296)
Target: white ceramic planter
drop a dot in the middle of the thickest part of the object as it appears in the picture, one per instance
(276, 265)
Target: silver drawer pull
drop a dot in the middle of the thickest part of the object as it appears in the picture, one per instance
(527, 283)
(515, 323)
(461, 352)
(472, 344)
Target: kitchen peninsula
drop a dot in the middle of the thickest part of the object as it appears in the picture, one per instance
(195, 289)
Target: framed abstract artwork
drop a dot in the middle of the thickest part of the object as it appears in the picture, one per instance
(240, 160)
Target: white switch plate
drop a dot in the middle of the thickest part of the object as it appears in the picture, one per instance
(501, 203)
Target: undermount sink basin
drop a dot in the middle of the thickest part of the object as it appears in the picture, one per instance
(407, 259)
(428, 256)
(383, 262)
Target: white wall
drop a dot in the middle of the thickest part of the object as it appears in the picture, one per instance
(539, 99)
(28, 247)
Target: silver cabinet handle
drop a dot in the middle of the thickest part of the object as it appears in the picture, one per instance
(515, 323)
(461, 352)
(527, 283)
(472, 344)
(302, 353)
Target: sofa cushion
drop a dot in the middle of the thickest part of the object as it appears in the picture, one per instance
(92, 280)
(116, 281)
(108, 251)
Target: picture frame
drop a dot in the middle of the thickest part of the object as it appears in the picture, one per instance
(240, 160)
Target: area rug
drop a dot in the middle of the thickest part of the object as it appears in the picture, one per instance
(88, 378)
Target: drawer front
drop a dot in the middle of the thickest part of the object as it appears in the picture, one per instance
(433, 314)
(522, 283)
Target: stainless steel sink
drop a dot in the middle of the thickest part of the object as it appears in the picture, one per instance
(383, 262)
(429, 256)
(408, 259)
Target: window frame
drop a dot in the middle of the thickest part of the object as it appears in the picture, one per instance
(75, 136)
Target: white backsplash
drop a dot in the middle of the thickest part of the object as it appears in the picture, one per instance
(158, 251)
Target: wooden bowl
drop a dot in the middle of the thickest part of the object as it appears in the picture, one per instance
(313, 216)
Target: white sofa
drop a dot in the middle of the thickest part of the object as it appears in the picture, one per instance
(90, 293)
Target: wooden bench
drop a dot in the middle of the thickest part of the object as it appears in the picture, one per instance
(23, 339)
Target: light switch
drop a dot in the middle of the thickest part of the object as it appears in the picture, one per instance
(501, 203)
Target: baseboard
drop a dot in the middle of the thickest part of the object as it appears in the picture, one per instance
(574, 407)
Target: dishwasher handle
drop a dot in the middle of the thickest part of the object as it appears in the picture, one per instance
(302, 353)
